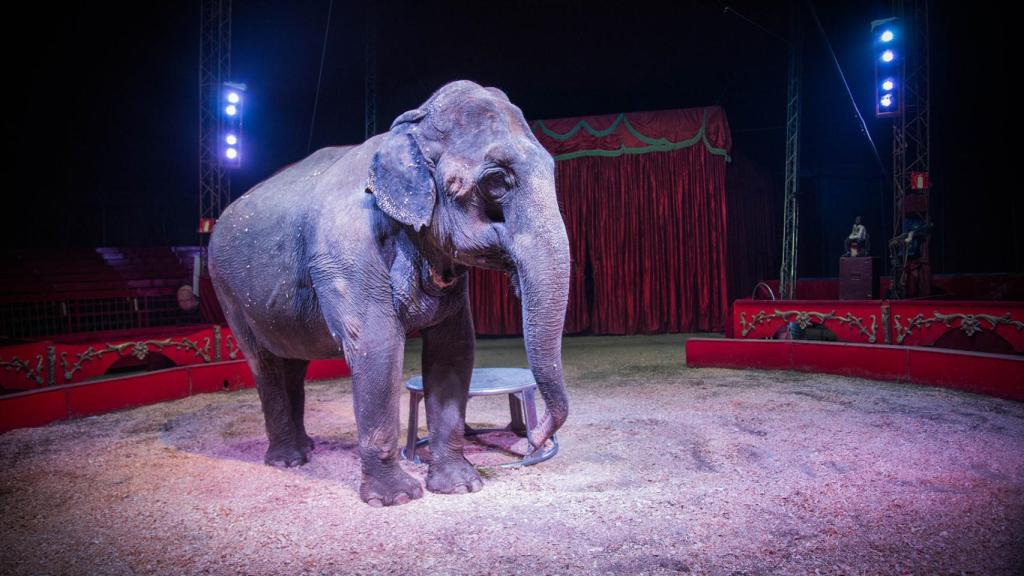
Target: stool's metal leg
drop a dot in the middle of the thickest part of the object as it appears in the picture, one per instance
(530, 408)
(414, 426)
(515, 406)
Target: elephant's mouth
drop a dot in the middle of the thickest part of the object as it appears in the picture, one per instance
(442, 280)
(438, 281)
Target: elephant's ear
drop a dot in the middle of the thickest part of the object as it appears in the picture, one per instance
(400, 178)
(409, 117)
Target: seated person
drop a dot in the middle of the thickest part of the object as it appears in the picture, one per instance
(856, 244)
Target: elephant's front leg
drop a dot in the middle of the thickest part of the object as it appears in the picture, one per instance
(447, 367)
(376, 362)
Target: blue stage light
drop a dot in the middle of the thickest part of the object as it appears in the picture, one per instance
(232, 99)
(889, 53)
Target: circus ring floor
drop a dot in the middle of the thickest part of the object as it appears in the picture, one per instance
(663, 469)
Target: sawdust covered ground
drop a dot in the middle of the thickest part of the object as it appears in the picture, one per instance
(663, 470)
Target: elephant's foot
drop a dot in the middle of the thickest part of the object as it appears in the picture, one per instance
(286, 455)
(306, 443)
(390, 488)
(456, 476)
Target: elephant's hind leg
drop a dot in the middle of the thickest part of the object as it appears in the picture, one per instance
(279, 382)
(280, 387)
(295, 379)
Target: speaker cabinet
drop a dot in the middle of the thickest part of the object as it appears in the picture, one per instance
(858, 278)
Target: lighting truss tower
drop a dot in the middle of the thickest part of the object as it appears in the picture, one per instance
(214, 70)
(790, 207)
(371, 72)
(911, 158)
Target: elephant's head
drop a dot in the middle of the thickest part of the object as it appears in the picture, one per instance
(465, 172)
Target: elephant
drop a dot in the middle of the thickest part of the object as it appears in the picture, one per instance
(349, 250)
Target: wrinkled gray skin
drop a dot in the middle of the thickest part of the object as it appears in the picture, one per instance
(355, 246)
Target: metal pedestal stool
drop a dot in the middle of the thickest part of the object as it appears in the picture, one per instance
(520, 386)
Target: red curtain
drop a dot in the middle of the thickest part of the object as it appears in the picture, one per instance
(635, 132)
(647, 234)
(755, 226)
(495, 307)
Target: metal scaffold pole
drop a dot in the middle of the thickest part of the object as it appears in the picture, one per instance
(371, 72)
(911, 159)
(214, 70)
(791, 207)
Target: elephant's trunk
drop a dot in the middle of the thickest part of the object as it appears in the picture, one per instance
(539, 249)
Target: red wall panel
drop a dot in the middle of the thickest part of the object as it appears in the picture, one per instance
(116, 394)
(35, 408)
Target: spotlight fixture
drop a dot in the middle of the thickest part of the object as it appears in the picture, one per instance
(888, 56)
(230, 138)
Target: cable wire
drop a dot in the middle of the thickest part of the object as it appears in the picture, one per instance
(835, 60)
(320, 76)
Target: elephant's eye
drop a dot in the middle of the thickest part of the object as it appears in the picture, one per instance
(494, 183)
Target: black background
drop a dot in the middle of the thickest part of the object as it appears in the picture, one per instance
(104, 121)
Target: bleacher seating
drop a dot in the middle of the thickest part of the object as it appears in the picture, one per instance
(50, 292)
